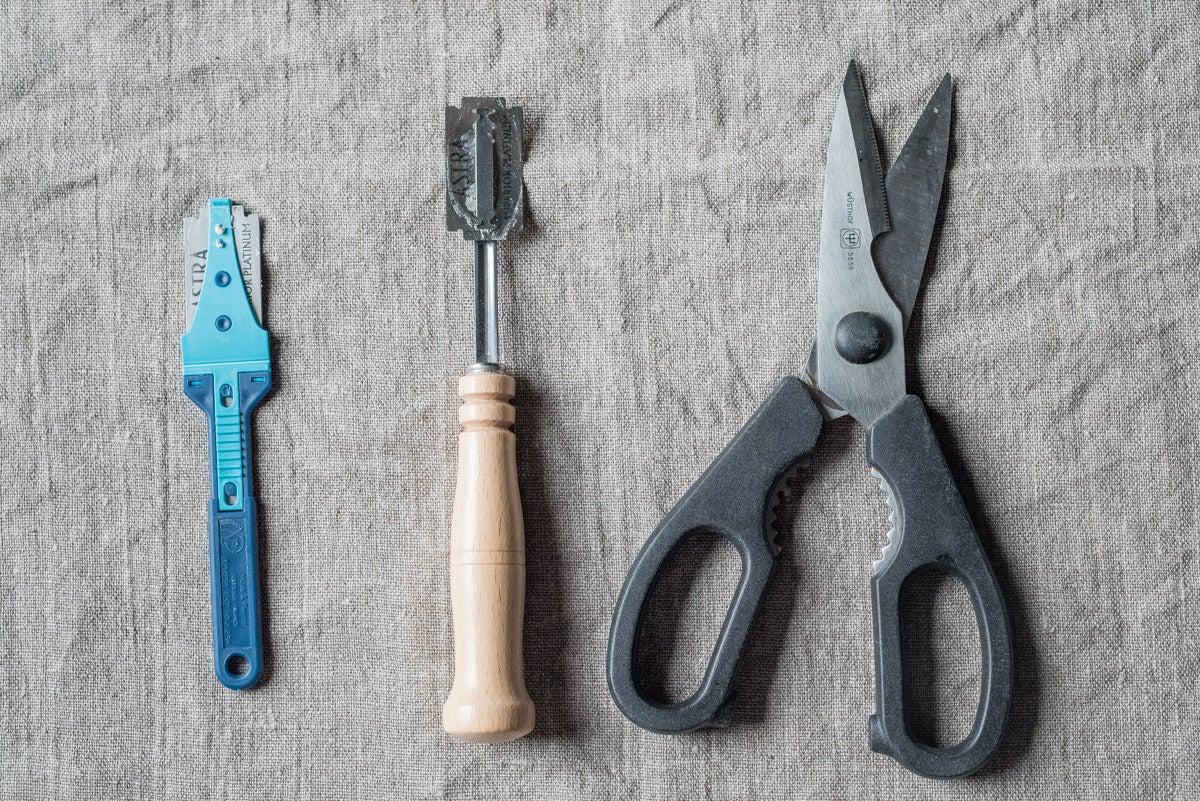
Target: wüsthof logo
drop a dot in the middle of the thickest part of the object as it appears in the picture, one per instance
(851, 238)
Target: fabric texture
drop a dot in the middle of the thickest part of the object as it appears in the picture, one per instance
(674, 159)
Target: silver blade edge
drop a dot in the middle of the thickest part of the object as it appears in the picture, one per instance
(247, 242)
(914, 192)
(853, 212)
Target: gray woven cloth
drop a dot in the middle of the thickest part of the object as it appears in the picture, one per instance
(666, 279)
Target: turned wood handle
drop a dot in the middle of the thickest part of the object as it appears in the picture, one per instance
(488, 702)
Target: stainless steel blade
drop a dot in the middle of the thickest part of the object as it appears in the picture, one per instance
(848, 287)
(484, 199)
(247, 237)
(248, 244)
(914, 192)
(195, 256)
(866, 149)
(484, 190)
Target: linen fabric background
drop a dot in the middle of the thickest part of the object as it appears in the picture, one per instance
(665, 280)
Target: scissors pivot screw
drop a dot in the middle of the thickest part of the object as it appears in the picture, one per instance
(861, 337)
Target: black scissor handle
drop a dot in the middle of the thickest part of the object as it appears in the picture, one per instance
(735, 499)
(932, 532)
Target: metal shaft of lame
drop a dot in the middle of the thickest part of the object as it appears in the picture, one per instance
(487, 344)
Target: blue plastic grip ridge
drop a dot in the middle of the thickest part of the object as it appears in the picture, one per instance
(226, 372)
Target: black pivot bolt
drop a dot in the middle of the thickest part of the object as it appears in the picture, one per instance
(861, 337)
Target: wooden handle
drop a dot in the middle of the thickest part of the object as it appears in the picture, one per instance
(488, 702)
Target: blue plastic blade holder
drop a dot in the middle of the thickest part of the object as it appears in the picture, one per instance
(227, 371)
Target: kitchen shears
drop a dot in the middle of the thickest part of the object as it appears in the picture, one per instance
(874, 241)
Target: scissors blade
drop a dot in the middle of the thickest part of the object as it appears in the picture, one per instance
(914, 192)
(849, 290)
(862, 130)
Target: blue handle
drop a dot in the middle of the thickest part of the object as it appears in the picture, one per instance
(233, 532)
(236, 615)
